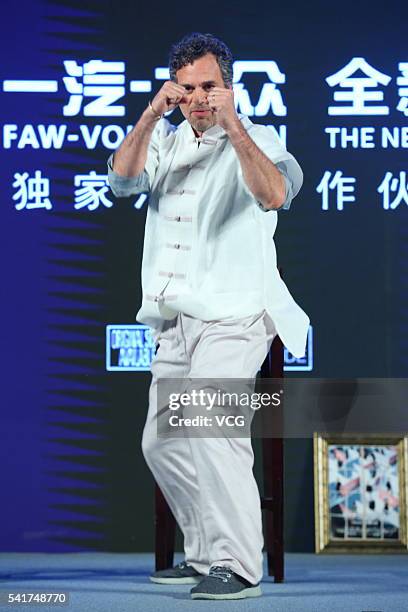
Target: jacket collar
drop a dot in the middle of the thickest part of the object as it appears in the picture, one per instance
(213, 134)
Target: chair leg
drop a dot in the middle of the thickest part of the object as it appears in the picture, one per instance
(273, 505)
(269, 542)
(272, 454)
(165, 528)
(277, 496)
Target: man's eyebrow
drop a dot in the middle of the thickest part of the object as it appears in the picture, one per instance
(204, 83)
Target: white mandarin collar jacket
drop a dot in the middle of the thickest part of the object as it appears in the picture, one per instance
(209, 250)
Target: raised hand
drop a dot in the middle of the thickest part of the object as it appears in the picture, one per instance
(168, 97)
(221, 101)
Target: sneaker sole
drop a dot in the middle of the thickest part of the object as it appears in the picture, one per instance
(251, 592)
(187, 580)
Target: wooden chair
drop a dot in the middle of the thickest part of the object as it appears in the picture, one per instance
(271, 500)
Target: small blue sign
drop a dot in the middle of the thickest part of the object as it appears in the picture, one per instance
(129, 348)
(302, 364)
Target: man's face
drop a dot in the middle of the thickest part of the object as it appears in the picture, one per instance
(198, 79)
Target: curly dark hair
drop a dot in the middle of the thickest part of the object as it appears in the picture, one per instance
(196, 45)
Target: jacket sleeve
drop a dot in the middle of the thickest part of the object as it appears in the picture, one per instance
(125, 186)
(274, 149)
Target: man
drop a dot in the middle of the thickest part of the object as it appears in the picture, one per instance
(212, 296)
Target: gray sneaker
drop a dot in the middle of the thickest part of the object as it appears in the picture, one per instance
(180, 574)
(223, 583)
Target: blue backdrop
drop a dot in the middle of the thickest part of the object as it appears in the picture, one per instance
(332, 80)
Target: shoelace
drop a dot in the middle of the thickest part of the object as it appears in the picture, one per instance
(182, 565)
(221, 572)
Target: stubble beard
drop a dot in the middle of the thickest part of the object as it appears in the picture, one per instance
(201, 125)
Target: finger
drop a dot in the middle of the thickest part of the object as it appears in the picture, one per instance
(176, 93)
(173, 91)
(222, 91)
(175, 96)
(173, 85)
(176, 89)
(215, 104)
(176, 99)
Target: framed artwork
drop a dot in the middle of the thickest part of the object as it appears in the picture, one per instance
(360, 487)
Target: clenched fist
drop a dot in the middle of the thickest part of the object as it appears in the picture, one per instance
(168, 97)
(221, 102)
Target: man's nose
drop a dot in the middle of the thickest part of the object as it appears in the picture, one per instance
(200, 96)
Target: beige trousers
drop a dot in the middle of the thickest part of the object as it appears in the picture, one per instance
(208, 482)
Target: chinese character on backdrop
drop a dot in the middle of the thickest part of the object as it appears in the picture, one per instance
(91, 190)
(270, 98)
(358, 90)
(402, 82)
(343, 187)
(98, 79)
(32, 192)
(398, 186)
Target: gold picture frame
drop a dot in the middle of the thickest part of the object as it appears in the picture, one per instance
(360, 491)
